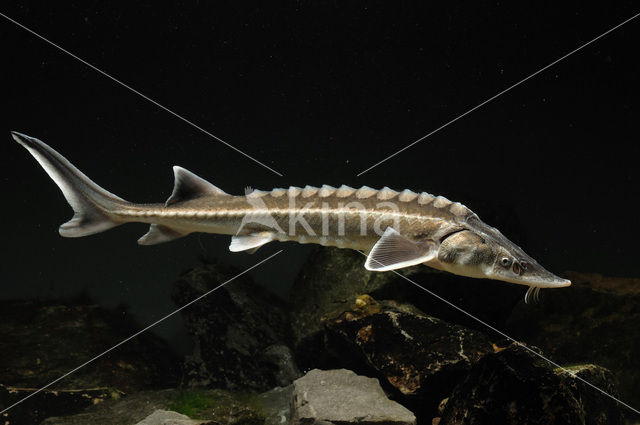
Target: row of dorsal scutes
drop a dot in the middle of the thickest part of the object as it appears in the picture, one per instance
(365, 192)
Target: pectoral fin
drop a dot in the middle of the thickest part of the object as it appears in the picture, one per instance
(394, 251)
(250, 243)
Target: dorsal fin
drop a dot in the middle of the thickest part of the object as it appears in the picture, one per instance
(189, 186)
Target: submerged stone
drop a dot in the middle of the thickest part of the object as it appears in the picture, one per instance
(598, 408)
(595, 320)
(240, 332)
(421, 356)
(43, 340)
(514, 386)
(202, 406)
(49, 402)
(128, 410)
(168, 417)
(332, 278)
(275, 405)
(342, 397)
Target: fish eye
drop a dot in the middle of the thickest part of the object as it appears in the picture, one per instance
(505, 261)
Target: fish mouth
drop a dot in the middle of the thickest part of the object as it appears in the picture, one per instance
(557, 283)
(541, 282)
(545, 279)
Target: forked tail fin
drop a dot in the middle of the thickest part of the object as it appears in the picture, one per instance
(91, 203)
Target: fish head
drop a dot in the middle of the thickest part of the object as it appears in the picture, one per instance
(515, 266)
(490, 255)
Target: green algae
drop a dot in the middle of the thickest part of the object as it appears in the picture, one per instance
(225, 407)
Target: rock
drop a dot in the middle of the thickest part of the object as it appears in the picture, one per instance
(514, 386)
(595, 320)
(128, 410)
(43, 340)
(168, 417)
(240, 332)
(328, 283)
(421, 356)
(275, 404)
(332, 278)
(285, 369)
(223, 407)
(341, 396)
(205, 406)
(598, 409)
(48, 402)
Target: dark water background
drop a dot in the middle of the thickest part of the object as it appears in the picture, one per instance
(319, 92)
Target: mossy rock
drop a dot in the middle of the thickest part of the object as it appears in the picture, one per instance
(224, 407)
(221, 407)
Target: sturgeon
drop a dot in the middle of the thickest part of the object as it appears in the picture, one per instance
(395, 229)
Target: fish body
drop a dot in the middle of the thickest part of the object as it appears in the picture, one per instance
(343, 217)
(396, 229)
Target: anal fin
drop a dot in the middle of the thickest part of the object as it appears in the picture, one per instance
(251, 242)
(394, 251)
(158, 233)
